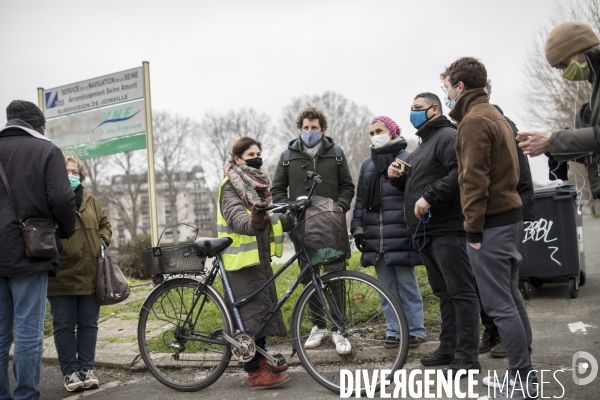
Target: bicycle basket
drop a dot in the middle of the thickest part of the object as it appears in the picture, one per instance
(172, 259)
(324, 235)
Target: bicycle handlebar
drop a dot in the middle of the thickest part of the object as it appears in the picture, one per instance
(283, 207)
(275, 207)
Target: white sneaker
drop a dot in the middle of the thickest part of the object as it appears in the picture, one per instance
(73, 382)
(501, 380)
(511, 389)
(342, 345)
(316, 337)
(89, 379)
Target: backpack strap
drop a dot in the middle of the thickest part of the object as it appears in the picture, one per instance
(336, 149)
(338, 153)
(286, 157)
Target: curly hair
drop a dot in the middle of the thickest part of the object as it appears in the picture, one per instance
(310, 114)
(70, 156)
(467, 70)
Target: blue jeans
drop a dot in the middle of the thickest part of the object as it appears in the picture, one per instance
(451, 278)
(22, 301)
(403, 284)
(75, 322)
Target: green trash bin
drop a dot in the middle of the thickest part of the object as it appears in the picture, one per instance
(552, 245)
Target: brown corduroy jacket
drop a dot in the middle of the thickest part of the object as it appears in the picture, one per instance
(488, 167)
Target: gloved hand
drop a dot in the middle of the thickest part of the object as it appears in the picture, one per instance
(260, 220)
(358, 242)
(298, 205)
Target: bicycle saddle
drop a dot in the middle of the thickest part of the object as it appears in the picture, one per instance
(211, 245)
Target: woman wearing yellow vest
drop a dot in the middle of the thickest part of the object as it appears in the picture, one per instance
(256, 237)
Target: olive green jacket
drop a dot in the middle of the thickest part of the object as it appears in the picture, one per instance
(77, 275)
(289, 180)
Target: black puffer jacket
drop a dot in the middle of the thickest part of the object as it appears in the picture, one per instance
(35, 169)
(385, 232)
(435, 177)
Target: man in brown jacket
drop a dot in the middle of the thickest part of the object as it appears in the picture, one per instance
(488, 173)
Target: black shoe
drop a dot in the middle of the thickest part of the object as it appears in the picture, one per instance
(391, 342)
(457, 365)
(487, 342)
(498, 351)
(437, 359)
(415, 341)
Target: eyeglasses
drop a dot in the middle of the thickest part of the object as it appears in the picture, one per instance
(446, 91)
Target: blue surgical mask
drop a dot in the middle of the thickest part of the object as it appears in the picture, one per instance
(419, 117)
(310, 138)
(450, 103)
(74, 180)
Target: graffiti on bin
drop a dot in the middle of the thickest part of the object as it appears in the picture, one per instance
(539, 230)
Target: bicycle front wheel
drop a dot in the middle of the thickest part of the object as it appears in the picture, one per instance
(354, 300)
(165, 335)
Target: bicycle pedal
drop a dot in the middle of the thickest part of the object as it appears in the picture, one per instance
(215, 332)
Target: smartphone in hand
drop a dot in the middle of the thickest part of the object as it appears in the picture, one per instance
(405, 167)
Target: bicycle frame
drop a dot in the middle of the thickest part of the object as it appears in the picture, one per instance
(218, 267)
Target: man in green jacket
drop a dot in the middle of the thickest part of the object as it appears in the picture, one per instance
(313, 151)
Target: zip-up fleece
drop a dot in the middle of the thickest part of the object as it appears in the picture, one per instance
(289, 180)
(488, 167)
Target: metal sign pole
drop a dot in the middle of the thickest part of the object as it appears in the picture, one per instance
(41, 98)
(150, 151)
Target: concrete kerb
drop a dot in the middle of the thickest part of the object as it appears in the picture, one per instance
(125, 355)
(117, 344)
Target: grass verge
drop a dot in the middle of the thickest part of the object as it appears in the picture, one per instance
(129, 311)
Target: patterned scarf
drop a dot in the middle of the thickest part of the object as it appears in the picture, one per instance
(251, 184)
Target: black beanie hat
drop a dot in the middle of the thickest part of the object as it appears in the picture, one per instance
(26, 111)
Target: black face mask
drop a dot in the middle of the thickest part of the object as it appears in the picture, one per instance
(255, 162)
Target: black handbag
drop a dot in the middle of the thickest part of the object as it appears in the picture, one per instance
(111, 285)
(39, 233)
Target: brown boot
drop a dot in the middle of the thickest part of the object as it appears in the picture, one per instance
(263, 378)
(276, 369)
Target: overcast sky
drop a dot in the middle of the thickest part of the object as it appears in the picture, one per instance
(223, 55)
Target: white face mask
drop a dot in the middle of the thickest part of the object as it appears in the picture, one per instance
(380, 140)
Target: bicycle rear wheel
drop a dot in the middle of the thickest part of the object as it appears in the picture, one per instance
(363, 323)
(163, 336)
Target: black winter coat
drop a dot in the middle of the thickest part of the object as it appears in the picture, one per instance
(435, 177)
(385, 232)
(35, 169)
(576, 144)
(289, 181)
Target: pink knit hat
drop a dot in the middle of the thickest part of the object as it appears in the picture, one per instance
(393, 127)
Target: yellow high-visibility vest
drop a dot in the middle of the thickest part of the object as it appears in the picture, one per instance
(243, 251)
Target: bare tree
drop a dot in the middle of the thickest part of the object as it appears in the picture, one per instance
(552, 101)
(172, 135)
(98, 177)
(221, 130)
(348, 123)
(124, 191)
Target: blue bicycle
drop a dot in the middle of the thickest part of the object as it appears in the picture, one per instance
(187, 332)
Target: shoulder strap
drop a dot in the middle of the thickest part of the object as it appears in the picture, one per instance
(286, 157)
(10, 193)
(336, 149)
(338, 153)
